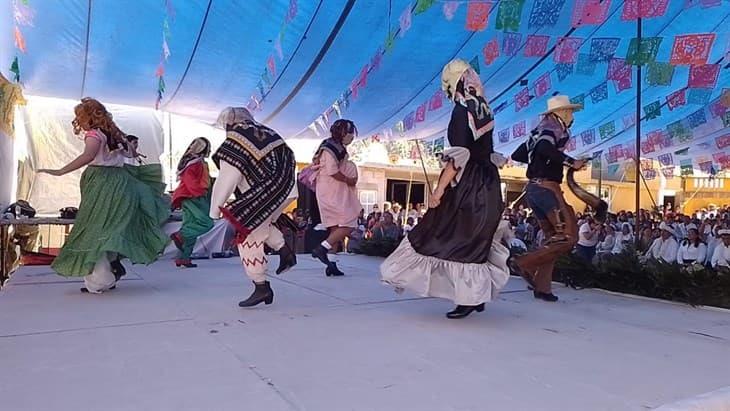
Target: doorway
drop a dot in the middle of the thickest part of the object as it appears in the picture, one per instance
(397, 192)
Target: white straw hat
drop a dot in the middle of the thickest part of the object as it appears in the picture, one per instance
(665, 227)
(561, 102)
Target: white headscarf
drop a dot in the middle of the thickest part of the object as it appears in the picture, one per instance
(233, 115)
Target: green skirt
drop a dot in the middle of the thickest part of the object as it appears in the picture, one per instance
(122, 211)
(196, 222)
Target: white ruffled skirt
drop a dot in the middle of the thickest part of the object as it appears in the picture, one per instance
(462, 283)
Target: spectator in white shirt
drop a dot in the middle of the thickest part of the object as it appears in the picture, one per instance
(721, 257)
(609, 240)
(682, 227)
(588, 237)
(624, 238)
(539, 238)
(410, 224)
(665, 247)
(692, 250)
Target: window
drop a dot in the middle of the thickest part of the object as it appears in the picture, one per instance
(368, 198)
(708, 183)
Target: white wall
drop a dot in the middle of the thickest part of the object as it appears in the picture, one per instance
(52, 144)
(7, 165)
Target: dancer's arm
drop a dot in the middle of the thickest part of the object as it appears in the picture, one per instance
(91, 147)
(225, 184)
(447, 176)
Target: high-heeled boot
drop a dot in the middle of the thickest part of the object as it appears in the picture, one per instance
(333, 271)
(462, 311)
(287, 260)
(320, 253)
(261, 294)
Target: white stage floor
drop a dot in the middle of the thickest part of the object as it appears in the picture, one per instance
(174, 339)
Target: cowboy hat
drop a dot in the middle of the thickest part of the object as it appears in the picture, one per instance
(665, 227)
(561, 102)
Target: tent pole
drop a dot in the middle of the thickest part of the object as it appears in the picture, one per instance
(600, 176)
(169, 154)
(408, 199)
(637, 154)
(423, 165)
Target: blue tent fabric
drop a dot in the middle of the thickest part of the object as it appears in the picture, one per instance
(221, 51)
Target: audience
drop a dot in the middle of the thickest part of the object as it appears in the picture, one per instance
(699, 238)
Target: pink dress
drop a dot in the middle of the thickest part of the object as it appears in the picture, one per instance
(338, 203)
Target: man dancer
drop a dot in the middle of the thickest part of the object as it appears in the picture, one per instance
(543, 153)
(254, 162)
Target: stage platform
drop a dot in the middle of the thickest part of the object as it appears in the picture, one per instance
(175, 339)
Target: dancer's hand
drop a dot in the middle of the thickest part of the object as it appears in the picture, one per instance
(352, 182)
(579, 164)
(51, 172)
(435, 199)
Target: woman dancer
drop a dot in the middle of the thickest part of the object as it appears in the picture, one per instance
(121, 210)
(450, 253)
(339, 205)
(193, 196)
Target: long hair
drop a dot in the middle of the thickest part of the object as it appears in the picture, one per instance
(697, 240)
(91, 114)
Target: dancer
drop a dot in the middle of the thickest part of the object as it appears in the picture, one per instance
(451, 253)
(193, 196)
(122, 209)
(543, 153)
(339, 206)
(254, 162)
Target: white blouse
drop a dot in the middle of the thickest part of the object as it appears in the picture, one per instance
(607, 244)
(688, 251)
(664, 249)
(721, 257)
(621, 241)
(104, 157)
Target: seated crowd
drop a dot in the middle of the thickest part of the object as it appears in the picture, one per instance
(701, 238)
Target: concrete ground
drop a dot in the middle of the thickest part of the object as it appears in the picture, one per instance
(175, 339)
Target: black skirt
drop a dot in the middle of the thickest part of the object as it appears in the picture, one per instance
(462, 227)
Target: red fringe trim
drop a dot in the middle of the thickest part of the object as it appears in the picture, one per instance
(242, 232)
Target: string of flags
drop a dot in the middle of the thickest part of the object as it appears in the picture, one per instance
(688, 50)
(321, 124)
(400, 151)
(165, 52)
(23, 16)
(268, 75)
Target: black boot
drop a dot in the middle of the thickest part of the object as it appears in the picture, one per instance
(549, 297)
(261, 294)
(287, 260)
(461, 311)
(333, 271)
(320, 253)
(118, 269)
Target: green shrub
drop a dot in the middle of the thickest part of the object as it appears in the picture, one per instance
(627, 273)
